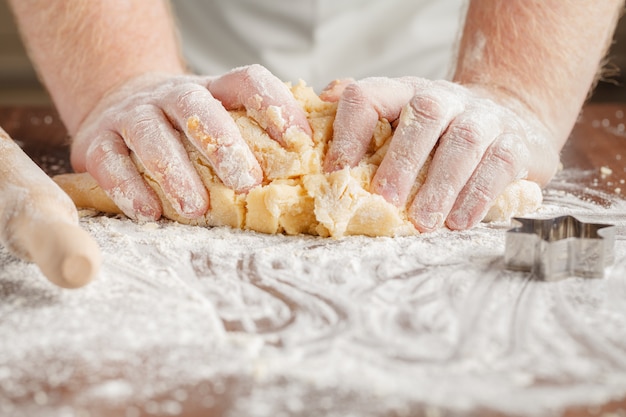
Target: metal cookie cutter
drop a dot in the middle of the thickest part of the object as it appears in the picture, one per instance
(557, 248)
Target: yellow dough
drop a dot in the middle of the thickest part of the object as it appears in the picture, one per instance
(296, 197)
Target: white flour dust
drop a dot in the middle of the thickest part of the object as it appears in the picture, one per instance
(185, 319)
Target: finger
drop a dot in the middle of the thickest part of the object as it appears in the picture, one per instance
(265, 98)
(421, 124)
(332, 92)
(361, 105)
(157, 145)
(459, 152)
(504, 162)
(108, 161)
(213, 132)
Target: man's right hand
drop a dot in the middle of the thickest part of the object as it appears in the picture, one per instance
(151, 115)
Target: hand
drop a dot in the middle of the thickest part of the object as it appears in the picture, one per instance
(482, 141)
(150, 116)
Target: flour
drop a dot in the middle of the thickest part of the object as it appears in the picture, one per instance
(186, 319)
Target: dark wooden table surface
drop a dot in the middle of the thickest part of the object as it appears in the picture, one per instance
(599, 140)
(595, 154)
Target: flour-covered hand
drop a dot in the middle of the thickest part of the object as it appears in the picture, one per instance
(481, 141)
(151, 117)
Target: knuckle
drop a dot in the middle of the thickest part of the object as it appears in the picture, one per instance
(189, 96)
(467, 134)
(256, 70)
(102, 147)
(251, 75)
(428, 107)
(482, 192)
(143, 123)
(354, 93)
(508, 153)
(102, 152)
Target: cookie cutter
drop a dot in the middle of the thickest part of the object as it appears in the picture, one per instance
(557, 248)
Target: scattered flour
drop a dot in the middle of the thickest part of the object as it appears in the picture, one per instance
(186, 319)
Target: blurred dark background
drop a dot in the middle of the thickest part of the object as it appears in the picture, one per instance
(19, 85)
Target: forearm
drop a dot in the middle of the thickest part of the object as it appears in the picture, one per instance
(82, 48)
(546, 53)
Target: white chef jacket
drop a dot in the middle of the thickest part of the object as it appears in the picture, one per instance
(321, 40)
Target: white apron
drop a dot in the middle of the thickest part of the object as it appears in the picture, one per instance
(321, 40)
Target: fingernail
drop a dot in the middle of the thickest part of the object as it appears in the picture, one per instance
(147, 214)
(142, 208)
(454, 224)
(428, 222)
(194, 205)
(458, 220)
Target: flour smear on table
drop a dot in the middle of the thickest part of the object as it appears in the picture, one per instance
(238, 323)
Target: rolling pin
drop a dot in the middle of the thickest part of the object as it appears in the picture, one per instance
(39, 222)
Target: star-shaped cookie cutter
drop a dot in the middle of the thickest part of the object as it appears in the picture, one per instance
(561, 247)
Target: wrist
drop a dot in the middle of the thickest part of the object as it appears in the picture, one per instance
(75, 108)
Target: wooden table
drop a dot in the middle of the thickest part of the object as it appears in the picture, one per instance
(599, 140)
(594, 162)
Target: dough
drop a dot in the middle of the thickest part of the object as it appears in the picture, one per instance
(296, 197)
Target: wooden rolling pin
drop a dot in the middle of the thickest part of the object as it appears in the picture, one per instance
(39, 222)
